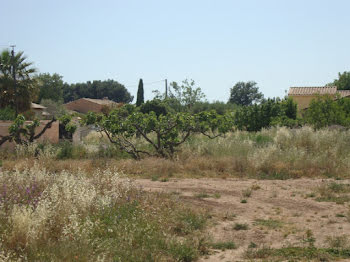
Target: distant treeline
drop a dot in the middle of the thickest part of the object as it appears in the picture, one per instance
(111, 89)
(52, 87)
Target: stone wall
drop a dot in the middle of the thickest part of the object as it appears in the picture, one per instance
(51, 134)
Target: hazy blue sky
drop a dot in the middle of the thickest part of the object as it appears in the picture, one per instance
(277, 43)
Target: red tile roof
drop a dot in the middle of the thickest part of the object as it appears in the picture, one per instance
(321, 90)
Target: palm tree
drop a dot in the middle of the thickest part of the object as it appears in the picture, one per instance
(18, 87)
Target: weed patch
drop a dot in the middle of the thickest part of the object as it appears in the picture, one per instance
(223, 245)
(298, 253)
(239, 226)
(269, 223)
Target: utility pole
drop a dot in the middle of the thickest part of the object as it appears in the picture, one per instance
(166, 88)
(14, 77)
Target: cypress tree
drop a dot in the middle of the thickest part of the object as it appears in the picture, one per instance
(140, 99)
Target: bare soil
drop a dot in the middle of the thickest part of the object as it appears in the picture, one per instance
(288, 202)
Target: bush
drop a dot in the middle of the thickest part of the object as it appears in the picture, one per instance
(271, 112)
(325, 111)
(7, 113)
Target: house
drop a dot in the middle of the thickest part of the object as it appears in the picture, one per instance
(84, 105)
(303, 95)
(39, 110)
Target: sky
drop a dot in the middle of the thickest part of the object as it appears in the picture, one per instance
(276, 43)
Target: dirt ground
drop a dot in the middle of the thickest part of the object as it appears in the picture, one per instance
(277, 213)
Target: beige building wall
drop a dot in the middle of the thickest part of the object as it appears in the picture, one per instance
(303, 101)
(51, 134)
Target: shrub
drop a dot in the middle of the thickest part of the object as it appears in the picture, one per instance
(7, 113)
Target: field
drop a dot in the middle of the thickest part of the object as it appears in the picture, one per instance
(279, 194)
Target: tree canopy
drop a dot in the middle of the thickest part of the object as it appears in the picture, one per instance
(187, 93)
(343, 81)
(163, 132)
(50, 87)
(97, 89)
(19, 91)
(245, 93)
(140, 95)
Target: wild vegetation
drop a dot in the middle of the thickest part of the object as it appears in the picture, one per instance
(73, 216)
(74, 202)
(277, 153)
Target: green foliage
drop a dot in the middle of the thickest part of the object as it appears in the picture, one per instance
(245, 94)
(187, 93)
(156, 106)
(271, 112)
(219, 107)
(97, 89)
(140, 96)
(343, 81)
(239, 226)
(269, 223)
(51, 87)
(224, 245)
(289, 108)
(184, 97)
(188, 221)
(7, 113)
(22, 133)
(161, 130)
(21, 92)
(66, 151)
(67, 127)
(325, 111)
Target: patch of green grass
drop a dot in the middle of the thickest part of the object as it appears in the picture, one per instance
(223, 245)
(336, 199)
(340, 215)
(239, 226)
(188, 221)
(269, 223)
(340, 242)
(275, 176)
(334, 192)
(339, 188)
(244, 201)
(262, 140)
(298, 253)
(216, 195)
(183, 252)
(252, 245)
(202, 195)
(164, 180)
(155, 177)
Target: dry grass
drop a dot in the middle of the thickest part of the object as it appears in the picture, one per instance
(278, 153)
(72, 216)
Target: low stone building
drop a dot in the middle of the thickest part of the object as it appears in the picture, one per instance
(84, 105)
(39, 110)
(304, 95)
(51, 134)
